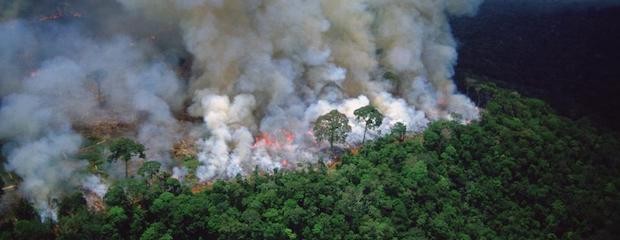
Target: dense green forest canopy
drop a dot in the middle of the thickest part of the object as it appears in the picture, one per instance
(521, 172)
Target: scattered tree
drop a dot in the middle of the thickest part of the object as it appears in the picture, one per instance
(370, 117)
(333, 127)
(125, 149)
(504, 177)
(149, 169)
(399, 130)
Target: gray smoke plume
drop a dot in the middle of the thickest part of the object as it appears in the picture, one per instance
(269, 68)
(262, 71)
(82, 83)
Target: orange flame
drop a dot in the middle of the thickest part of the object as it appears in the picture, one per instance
(264, 139)
(272, 141)
(284, 163)
(289, 136)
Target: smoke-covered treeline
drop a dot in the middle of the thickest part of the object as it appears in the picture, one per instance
(522, 172)
(243, 80)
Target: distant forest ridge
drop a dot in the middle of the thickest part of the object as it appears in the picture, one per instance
(568, 58)
(549, 5)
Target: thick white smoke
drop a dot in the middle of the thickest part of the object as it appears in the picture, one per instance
(269, 68)
(90, 82)
(263, 71)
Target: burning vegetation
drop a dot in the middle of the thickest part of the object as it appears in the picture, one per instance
(213, 89)
(106, 128)
(122, 122)
(184, 148)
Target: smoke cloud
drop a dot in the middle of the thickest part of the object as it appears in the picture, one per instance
(260, 72)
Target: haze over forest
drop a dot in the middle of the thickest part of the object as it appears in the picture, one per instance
(321, 119)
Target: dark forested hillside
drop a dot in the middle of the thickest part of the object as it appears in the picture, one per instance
(522, 172)
(567, 56)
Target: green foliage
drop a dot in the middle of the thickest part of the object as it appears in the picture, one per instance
(521, 172)
(21, 222)
(370, 117)
(191, 163)
(71, 204)
(399, 130)
(116, 223)
(149, 169)
(32, 229)
(157, 231)
(333, 127)
(124, 149)
(93, 152)
(82, 224)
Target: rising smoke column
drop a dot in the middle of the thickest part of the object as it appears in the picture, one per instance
(67, 81)
(263, 71)
(269, 68)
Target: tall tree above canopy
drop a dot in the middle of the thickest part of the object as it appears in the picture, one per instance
(124, 149)
(370, 117)
(332, 127)
(399, 130)
(149, 169)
